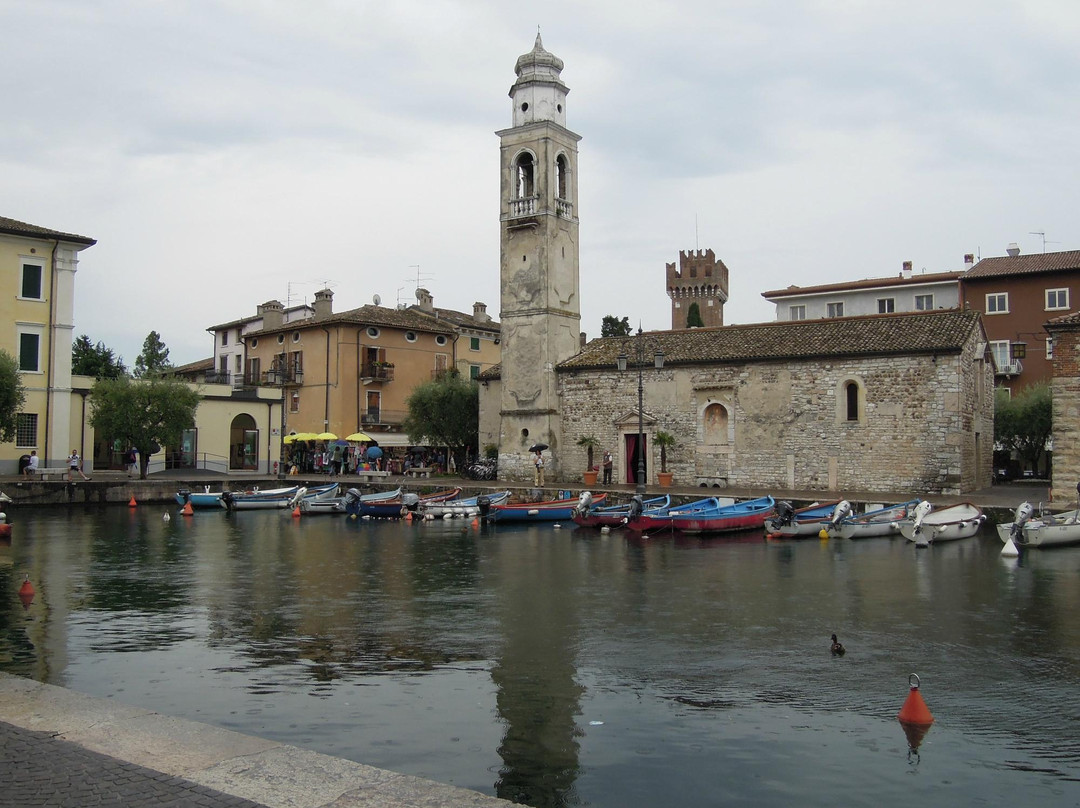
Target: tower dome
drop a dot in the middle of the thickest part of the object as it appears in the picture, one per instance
(539, 93)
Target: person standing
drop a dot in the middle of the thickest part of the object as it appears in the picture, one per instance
(131, 461)
(607, 464)
(538, 469)
(75, 464)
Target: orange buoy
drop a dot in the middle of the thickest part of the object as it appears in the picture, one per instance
(296, 512)
(187, 510)
(475, 522)
(26, 593)
(408, 516)
(915, 716)
(131, 504)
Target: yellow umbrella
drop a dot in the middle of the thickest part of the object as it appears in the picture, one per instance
(359, 437)
(305, 436)
(326, 436)
(289, 438)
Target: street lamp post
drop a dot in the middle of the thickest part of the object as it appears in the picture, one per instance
(640, 345)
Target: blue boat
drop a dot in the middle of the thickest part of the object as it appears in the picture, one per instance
(204, 500)
(708, 516)
(396, 508)
(551, 510)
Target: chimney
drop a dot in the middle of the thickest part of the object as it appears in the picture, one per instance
(324, 304)
(1013, 249)
(479, 312)
(582, 339)
(969, 261)
(906, 272)
(272, 313)
(426, 301)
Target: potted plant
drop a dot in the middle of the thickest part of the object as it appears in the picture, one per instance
(590, 443)
(664, 440)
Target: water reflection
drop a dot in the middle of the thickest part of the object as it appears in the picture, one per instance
(560, 668)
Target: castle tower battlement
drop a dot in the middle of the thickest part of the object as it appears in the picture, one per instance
(702, 279)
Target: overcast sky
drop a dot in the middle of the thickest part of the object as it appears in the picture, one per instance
(227, 153)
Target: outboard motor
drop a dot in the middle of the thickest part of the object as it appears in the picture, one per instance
(840, 512)
(583, 503)
(785, 513)
(1020, 518)
(352, 496)
(637, 507)
(186, 494)
(483, 504)
(920, 511)
(410, 502)
(227, 498)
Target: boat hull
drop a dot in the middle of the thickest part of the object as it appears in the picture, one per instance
(554, 510)
(960, 521)
(203, 501)
(807, 522)
(1060, 530)
(613, 516)
(460, 508)
(745, 515)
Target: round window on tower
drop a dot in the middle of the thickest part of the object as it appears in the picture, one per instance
(525, 107)
(558, 107)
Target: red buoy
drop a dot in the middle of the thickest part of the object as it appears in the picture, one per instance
(131, 504)
(187, 510)
(296, 512)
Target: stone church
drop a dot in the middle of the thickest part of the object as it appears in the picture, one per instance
(892, 403)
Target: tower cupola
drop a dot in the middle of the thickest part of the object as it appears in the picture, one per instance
(539, 94)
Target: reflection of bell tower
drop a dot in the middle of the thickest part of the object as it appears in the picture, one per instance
(540, 316)
(702, 281)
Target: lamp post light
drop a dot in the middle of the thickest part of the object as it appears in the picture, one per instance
(640, 346)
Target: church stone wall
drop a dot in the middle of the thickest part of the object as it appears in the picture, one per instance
(786, 423)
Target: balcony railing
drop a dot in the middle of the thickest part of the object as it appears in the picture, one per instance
(378, 370)
(565, 208)
(524, 207)
(277, 377)
(218, 377)
(1013, 368)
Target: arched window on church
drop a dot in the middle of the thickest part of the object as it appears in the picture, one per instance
(851, 391)
(526, 176)
(560, 176)
(716, 425)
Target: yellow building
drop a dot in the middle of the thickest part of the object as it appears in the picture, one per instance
(37, 306)
(354, 370)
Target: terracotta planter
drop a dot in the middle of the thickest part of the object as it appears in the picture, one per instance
(664, 478)
(590, 477)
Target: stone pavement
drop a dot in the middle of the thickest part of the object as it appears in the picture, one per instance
(62, 748)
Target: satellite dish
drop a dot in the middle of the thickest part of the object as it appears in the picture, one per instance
(376, 300)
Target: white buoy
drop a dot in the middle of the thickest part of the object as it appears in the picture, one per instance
(1010, 550)
(605, 529)
(556, 526)
(166, 517)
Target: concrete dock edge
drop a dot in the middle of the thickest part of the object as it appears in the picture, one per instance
(266, 772)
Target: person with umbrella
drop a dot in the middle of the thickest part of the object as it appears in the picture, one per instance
(538, 463)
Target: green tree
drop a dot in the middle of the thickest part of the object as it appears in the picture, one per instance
(146, 414)
(445, 412)
(12, 396)
(88, 359)
(612, 326)
(1023, 422)
(590, 443)
(693, 317)
(154, 359)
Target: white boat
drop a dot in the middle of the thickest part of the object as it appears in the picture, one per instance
(926, 525)
(257, 499)
(1046, 530)
(469, 506)
(873, 524)
(339, 503)
(807, 522)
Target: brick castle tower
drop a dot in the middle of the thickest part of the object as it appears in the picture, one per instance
(701, 279)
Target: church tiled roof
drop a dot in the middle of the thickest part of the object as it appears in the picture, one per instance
(943, 331)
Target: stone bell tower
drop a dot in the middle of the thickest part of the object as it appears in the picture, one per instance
(539, 284)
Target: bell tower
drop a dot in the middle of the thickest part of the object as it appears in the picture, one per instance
(539, 284)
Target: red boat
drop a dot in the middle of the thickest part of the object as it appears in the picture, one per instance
(708, 516)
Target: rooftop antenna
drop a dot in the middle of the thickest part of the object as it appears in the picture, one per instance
(1042, 234)
(400, 289)
(419, 278)
(696, 243)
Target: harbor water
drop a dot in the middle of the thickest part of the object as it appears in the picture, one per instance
(561, 667)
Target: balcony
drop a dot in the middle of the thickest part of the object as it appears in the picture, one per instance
(218, 377)
(379, 371)
(1013, 368)
(288, 377)
(564, 208)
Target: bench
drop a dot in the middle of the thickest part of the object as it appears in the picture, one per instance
(53, 472)
(419, 471)
(370, 475)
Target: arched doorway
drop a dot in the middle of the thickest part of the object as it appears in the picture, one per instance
(243, 444)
